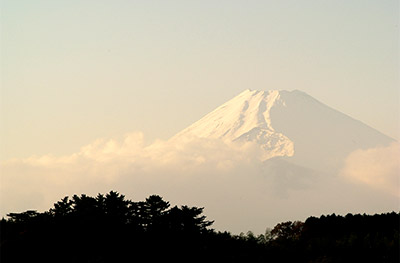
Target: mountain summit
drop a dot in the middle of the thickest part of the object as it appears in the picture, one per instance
(287, 124)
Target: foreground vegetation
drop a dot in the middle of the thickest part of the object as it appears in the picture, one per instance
(109, 228)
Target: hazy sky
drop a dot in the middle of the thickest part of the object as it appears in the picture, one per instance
(74, 71)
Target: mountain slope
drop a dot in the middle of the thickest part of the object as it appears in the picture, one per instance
(287, 124)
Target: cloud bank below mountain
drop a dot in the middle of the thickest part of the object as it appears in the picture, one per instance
(239, 190)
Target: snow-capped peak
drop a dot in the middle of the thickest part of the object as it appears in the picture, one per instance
(245, 118)
(286, 123)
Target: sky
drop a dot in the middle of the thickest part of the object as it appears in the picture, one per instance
(75, 71)
(92, 90)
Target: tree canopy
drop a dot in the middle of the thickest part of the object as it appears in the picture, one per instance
(110, 228)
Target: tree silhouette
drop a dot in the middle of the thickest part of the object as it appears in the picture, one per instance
(110, 228)
(287, 230)
(62, 208)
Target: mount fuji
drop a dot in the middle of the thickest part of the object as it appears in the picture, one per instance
(290, 127)
(261, 158)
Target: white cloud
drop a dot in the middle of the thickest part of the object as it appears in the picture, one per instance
(116, 164)
(377, 167)
(239, 191)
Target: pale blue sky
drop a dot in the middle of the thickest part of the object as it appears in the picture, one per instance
(74, 71)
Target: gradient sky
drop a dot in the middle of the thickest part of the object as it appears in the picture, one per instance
(73, 71)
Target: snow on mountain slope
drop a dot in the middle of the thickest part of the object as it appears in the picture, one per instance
(234, 118)
(288, 124)
(244, 118)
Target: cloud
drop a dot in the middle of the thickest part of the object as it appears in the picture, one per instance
(38, 181)
(377, 167)
(239, 190)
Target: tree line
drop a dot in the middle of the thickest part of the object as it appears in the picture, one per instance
(110, 228)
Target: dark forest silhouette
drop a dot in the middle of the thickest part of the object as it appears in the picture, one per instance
(109, 228)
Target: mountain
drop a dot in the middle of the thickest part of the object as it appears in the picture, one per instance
(290, 125)
(261, 158)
